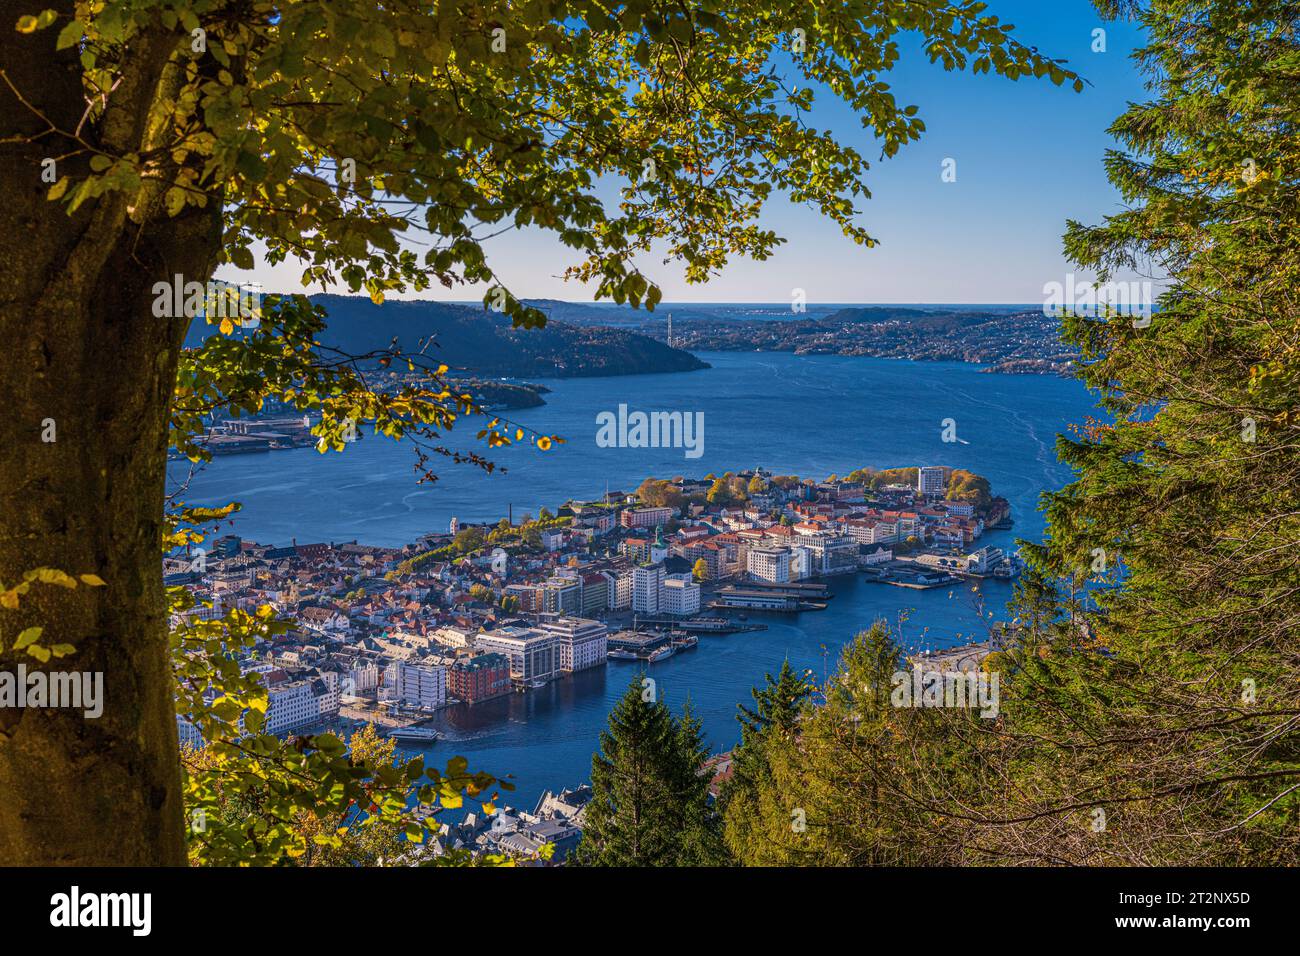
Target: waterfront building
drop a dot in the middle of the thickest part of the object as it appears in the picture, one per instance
(871, 556)
(759, 600)
(531, 652)
(831, 553)
(419, 685)
(802, 562)
(482, 677)
(581, 643)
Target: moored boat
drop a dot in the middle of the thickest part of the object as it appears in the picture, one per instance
(661, 653)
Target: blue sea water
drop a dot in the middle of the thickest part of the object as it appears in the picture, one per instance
(812, 416)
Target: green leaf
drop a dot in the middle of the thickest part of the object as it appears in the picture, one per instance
(70, 35)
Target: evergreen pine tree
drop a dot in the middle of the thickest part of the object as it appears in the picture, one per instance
(651, 804)
(701, 826)
(776, 708)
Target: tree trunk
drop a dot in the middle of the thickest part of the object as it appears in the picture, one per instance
(84, 360)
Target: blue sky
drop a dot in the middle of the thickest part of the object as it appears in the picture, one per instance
(1028, 157)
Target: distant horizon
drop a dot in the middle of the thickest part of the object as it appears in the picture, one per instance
(606, 304)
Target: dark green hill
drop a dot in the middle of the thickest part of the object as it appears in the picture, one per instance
(485, 343)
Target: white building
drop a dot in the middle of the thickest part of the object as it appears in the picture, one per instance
(680, 595)
(533, 653)
(647, 582)
(620, 589)
(581, 643)
(299, 703)
(361, 679)
(769, 564)
(932, 480)
(418, 685)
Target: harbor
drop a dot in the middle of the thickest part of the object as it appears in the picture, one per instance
(650, 646)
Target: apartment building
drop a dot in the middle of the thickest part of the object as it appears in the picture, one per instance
(482, 677)
(300, 703)
(680, 595)
(422, 685)
(647, 582)
(580, 643)
(619, 588)
(644, 517)
(532, 652)
(769, 564)
(932, 480)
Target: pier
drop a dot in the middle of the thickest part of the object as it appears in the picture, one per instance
(706, 625)
(763, 599)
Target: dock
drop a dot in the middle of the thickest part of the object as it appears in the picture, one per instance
(802, 589)
(706, 625)
(763, 599)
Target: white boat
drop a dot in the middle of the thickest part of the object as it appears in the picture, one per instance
(661, 654)
(618, 654)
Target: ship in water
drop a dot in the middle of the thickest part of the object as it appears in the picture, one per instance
(661, 653)
(414, 735)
